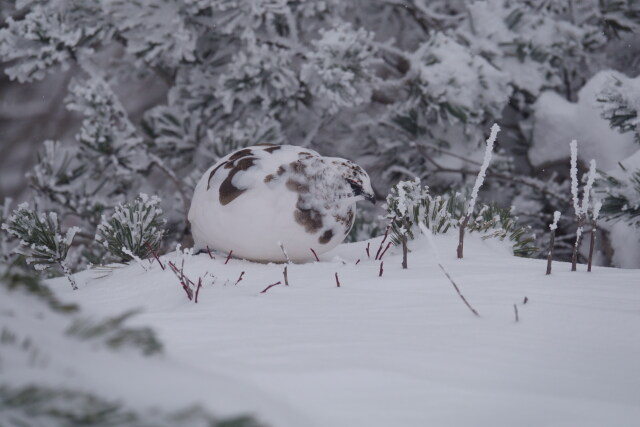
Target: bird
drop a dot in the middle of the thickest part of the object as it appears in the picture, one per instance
(276, 203)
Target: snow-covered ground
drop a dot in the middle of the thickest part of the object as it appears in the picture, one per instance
(396, 350)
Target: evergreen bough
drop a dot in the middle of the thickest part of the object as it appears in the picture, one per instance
(410, 204)
(134, 230)
(41, 239)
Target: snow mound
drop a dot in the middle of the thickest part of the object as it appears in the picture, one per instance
(558, 121)
(397, 349)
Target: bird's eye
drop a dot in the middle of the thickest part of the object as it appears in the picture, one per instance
(355, 186)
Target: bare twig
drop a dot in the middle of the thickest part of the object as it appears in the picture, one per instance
(228, 257)
(550, 253)
(153, 252)
(381, 269)
(592, 244)
(473, 310)
(269, 287)
(385, 250)
(384, 239)
(239, 278)
(198, 289)
(405, 251)
(358, 261)
(367, 249)
(286, 276)
(515, 309)
(337, 280)
(315, 254)
(463, 226)
(209, 252)
(185, 282)
(429, 237)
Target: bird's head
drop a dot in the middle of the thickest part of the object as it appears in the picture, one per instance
(359, 182)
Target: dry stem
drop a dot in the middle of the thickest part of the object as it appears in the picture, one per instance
(460, 250)
(269, 287)
(550, 254)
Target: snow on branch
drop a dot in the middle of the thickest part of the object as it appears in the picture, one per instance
(554, 225)
(574, 174)
(483, 169)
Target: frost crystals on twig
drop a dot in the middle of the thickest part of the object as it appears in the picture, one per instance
(284, 252)
(553, 226)
(476, 187)
(580, 209)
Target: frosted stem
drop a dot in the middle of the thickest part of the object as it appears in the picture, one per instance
(483, 169)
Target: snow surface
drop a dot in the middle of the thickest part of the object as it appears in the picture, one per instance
(401, 349)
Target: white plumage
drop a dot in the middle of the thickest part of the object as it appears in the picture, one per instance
(258, 197)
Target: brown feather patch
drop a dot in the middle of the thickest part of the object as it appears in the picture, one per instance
(240, 154)
(213, 173)
(229, 192)
(298, 187)
(310, 219)
(326, 237)
(272, 148)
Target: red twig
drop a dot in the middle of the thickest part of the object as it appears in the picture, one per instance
(385, 250)
(228, 257)
(181, 277)
(315, 254)
(269, 287)
(286, 276)
(209, 252)
(358, 261)
(198, 288)
(381, 269)
(384, 239)
(239, 278)
(337, 280)
(367, 249)
(155, 255)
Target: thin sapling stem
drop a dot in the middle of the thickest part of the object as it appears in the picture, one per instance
(553, 226)
(476, 187)
(269, 287)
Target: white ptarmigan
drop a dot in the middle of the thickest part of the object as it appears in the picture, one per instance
(258, 198)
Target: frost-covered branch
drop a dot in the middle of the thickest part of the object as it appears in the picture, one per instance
(134, 230)
(553, 227)
(580, 207)
(573, 146)
(476, 188)
(41, 240)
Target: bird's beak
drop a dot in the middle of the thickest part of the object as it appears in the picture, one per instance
(370, 198)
